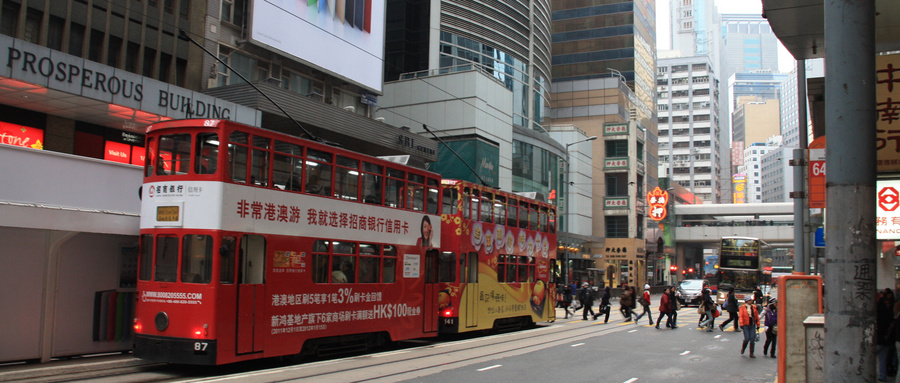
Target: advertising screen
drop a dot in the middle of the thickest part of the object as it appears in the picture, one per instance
(341, 37)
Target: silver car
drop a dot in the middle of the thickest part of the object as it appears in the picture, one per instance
(691, 291)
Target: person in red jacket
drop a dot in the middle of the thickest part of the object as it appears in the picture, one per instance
(663, 308)
(645, 304)
(748, 316)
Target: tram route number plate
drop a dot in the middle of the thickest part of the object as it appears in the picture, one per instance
(167, 213)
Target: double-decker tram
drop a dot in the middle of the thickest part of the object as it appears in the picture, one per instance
(505, 248)
(741, 262)
(257, 244)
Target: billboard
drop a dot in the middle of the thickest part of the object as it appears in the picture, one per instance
(739, 182)
(341, 37)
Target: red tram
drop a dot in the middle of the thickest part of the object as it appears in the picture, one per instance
(257, 244)
(506, 245)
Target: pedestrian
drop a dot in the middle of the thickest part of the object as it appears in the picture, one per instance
(604, 305)
(884, 315)
(626, 300)
(664, 308)
(771, 322)
(566, 300)
(709, 306)
(731, 305)
(586, 297)
(645, 304)
(748, 316)
(674, 306)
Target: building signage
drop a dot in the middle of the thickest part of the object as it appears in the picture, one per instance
(739, 182)
(887, 221)
(615, 163)
(616, 203)
(63, 72)
(117, 152)
(817, 173)
(658, 200)
(887, 101)
(615, 129)
(19, 135)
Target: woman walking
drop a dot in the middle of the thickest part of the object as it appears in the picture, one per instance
(731, 305)
(709, 306)
(663, 308)
(645, 304)
(771, 322)
(749, 320)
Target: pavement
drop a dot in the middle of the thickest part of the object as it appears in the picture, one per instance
(89, 363)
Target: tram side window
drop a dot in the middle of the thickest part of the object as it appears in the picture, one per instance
(389, 265)
(196, 258)
(555, 271)
(287, 166)
(207, 153)
(487, 206)
(466, 202)
(346, 179)
(523, 215)
(343, 268)
(238, 155)
(166, 258)
(226, 260)
(174, 154)
(500, 210)
(501, 268)
(259, 164)
(543, 219)
(474, 198)
(394, 188)
(146, 257)
(447, 267)
(416, 199)
(371, 188)
(318, 172)
(369, 266)
(533, 216)
(450, 198)
(552, 218)
(511, 211)
(432, 206)
(320, 261)
(149, 152)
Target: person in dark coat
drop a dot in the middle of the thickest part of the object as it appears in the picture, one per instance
(586, 297)
(673, 307)
(604, 305)
(732, 306)
(664, 308)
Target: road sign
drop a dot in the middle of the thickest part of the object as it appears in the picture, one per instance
(820, 237)
(817, 173)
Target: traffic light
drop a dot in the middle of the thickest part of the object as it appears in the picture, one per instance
(673, 269)
(691, 270)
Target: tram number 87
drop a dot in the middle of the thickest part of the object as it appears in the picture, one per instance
(200, 346)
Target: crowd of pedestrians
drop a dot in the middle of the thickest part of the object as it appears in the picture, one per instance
(748, 317)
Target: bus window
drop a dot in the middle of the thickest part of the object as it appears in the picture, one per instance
(146, 257)
(166, 258)
(389, 265)
(196, 258)
(523, 214)
(238, 155)
(447, 267)
(346, 179)
(511, 211)
(487, 205)
(449, 201)
(253, 259)
(226, 260)
(174, 155)
(500, 210)
(207, 153)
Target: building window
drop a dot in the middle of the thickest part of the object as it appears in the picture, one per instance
(617, 226)
(76, 38)
(233, 11)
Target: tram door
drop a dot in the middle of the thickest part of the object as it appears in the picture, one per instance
(430, 303)
(251, 294)
(469, 274)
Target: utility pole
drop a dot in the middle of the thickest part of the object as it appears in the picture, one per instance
(851, 253)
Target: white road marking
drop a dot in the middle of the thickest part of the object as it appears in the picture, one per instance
(685, 353)
(489, 368)
(717, 336)
(577, 344)
(632, 331)
(631, 380)
(389, 354)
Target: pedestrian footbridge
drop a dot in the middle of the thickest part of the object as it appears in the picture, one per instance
(706, 223)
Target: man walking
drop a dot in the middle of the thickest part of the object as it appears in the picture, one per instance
(586, 297)
(731, 305)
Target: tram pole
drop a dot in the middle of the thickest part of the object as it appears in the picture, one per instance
(850, 255)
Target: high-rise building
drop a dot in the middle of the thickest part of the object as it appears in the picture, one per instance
(604, 83)
(687, 106)
(776, 175)
(755, 120)
(695, 29)
(789, 103)
(753, 167)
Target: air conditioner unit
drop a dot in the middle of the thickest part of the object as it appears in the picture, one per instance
(351, 109)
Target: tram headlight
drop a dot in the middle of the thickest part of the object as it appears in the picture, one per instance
(137, 326)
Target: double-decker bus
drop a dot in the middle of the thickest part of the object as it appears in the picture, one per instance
(258, 244)
(741, 262)
(505, 246)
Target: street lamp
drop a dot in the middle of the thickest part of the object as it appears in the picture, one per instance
(568, 198)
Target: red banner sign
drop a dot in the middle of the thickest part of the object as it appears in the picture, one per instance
(18, 135)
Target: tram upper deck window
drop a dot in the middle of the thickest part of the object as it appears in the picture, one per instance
(432, 206)
(474, 199)
(543, 219)
(487, 206)
(196, 258)
(371, 183)
(511, 213)
(259, 164)
(533, 216)
(318, 172)
(394, 187)
(173, 155)
(346, 179)
(206, 153)
(523, 215)
(551, 217)
(500, 210)
(287, 166)
(450, 198)
(238, 156)
(416, 198)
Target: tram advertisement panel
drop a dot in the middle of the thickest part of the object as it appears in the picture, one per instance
(218, 206)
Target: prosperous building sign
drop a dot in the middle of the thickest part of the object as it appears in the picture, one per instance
(658, 200)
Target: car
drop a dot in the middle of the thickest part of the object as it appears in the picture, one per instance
(691, 291)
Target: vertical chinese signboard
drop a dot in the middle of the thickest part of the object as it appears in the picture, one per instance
(887, 126)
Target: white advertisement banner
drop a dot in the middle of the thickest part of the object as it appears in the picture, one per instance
(887, 210)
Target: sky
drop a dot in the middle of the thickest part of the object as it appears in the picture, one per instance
(754, 7)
